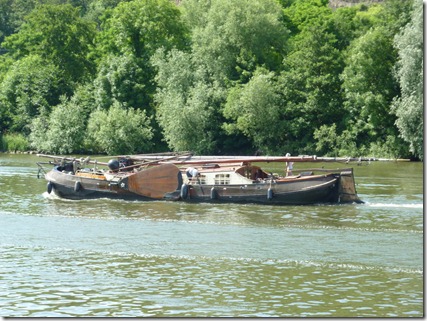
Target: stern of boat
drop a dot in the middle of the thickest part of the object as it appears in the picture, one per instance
(347, 188)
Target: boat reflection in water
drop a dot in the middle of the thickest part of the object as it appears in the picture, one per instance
(219, 179)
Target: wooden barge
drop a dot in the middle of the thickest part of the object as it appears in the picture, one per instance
(218, 180)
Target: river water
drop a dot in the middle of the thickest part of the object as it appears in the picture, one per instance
(109, 258)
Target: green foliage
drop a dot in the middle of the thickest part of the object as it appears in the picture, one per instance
(396, 14)
(230, 39)
(255, 109)
(96, 10)
(350, 147)
(236, 36)
(345, 26)
(38, 136)
(29, 88)
(327, 140)
(130, 35)
(119, 131)
(311, 87)
(368, 17)
(63, 132)
(121, 78)
(12, 13)
(213, 76)
(57, 34)
(331, 143)
(185, 102)
(369, 84)
(409, 107)
(305, 13)
(140, 27)
(14, 142)
(391, 147)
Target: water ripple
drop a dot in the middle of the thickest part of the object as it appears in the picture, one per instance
(196, 286)
(112, 258)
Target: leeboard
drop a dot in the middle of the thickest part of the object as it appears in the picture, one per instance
(154, 182)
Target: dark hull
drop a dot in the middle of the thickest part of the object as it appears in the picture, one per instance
(69, 193)
(65, 186)
(319, 190)
(330, 188)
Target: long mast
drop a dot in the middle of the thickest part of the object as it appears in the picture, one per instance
(188, 159)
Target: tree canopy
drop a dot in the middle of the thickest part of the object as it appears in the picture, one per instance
(409, 73)
(214, 77)
(57, 34)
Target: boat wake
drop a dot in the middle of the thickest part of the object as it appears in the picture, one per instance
(388, 205)
(51, 196)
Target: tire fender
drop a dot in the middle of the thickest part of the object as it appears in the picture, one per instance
(49, 187)
(184, 191)
(270, 193)
(214, 193)
(77, 186)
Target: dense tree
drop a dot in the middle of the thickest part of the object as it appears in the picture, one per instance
(256, 110)
(121, 78)
(186, 102)
(63, 132)
(12, 13)
(31, 86)
(140, 27)
(305, 13)
(395, 14)
(368, 82)
(230, 39)
(346, 26)
(97, 10)
(311, 87)
(130, 35)
(370, 87)
(237, 36)
(211, 76)
(6, 26)
(409, 107)
(57, 34)
(119, 131)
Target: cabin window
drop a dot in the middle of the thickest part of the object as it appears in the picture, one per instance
(222, 179)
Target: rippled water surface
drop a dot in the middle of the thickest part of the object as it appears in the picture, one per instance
(62, 258)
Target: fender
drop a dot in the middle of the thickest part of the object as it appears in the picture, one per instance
(270, 193)
(77, 186)
(184, 191)
(214, 194)
(49, 187)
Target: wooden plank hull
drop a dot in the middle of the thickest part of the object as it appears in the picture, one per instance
(64, 185)
(72, 186)
(165, 182)
(311, 191)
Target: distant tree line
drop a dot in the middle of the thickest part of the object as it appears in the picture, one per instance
(213, 77)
